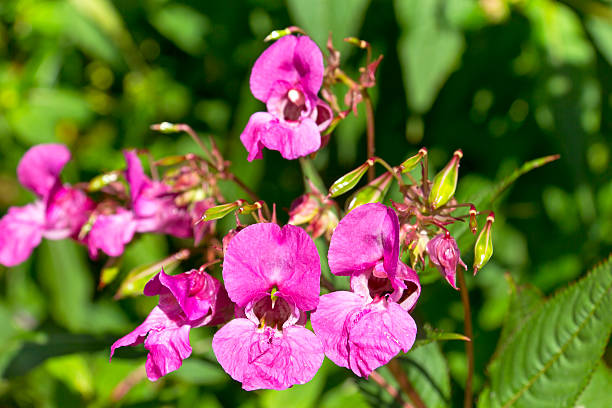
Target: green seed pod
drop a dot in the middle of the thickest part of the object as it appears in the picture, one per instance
(411, 162)
(373, 192)
(445, 182)
(349, 180)
(484, 245)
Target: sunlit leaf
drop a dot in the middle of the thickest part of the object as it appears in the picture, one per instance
(552, 356)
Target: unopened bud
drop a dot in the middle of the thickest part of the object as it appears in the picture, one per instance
(473, 222)
(303, 209)
(373, 192)
(445, 182)
(166, 127)
(276, 34)
(220, 211)
(103, 180)
(349, 180)
(171, 160)
(484, 245)
(413, 161)
(326, 223)
(249, 208)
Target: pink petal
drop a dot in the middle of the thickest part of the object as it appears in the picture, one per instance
(412, 290)
(363, 237)
(378, 335)
(39, 168)
(253, 133)
(111, 233)
(267, 359)
(263, 256)
(292, 140)
(20, 232)
(329, 321)
(135, 175)
(167, 339)
(292, 59)
(68, 209)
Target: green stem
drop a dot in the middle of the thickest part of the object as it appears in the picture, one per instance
(310, 173)
(469, 345)
(370, 129)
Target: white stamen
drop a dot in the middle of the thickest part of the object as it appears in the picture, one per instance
(294, 95)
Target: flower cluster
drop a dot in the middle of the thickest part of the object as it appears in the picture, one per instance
(270, 284)
(108, 223)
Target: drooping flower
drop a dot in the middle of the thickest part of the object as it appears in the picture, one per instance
(365, 328)
(287, 78)
(444, 253)
(272, 275)
(59, 212)
(187, 300)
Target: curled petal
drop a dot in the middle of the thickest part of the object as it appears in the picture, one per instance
(407, 296)
(263, 256)
(135, 175)
(292, 59)
(21, 231)
(39, 168)
(167, 340)
(251, 137)
(267, 359)
(196, 292)
(364, 236)
(329, 321)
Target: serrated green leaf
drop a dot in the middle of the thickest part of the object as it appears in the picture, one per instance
(551, 358)
(597, 392)
(525, 301)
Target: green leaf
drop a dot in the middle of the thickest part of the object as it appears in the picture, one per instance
(429, 50)
(597, 392)
(552, 356)
(601, 30)
(524, 302)
(184, 26)
(427, 370)
(433, 335)
(317, 16)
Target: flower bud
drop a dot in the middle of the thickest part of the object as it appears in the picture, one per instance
(324, 224)
(373, 192)
(445, 182)
(484, 245)
(473, 222)
(103, 180)
(411, 162)
(444, 253)
(349, 180)
(303, 209)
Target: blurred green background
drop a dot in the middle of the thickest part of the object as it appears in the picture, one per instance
(504, 80)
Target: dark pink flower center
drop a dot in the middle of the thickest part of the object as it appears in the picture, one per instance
(294, 106)
(272, 313)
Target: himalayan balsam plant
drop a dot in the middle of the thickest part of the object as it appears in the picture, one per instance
(261, 285)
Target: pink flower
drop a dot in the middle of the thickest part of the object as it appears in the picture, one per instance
(444, 253)
(364, 329)
(187, 300)
(272, 275)
(59, 212)
(111, 232)
(153, 205)
(287, 78)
